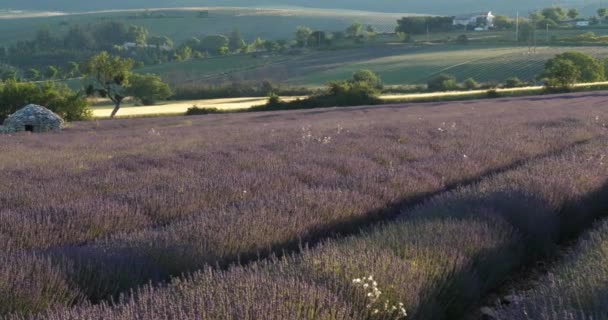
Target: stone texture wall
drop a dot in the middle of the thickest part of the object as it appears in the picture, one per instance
(34, 117)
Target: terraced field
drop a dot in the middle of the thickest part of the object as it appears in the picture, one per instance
(355, 213)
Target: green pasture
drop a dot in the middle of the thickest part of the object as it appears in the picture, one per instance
(182, 24)
(397, 64)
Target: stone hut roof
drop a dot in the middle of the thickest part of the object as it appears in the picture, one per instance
(33, 118)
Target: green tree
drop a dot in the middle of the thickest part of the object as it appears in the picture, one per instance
(589, 68)
(148, 88)
(602, 13)
(514, 83)
(184, 53)
(503, 23)
(303, 35)
(79, 38)
(73, 69)
(573, 13)
(470, 84)
(214, 44)
(60, 99)
(51, 72)
(442, 82)
(536, 16)
(235, 41)
(561, 74)
(526, 31)
(556, 14)
(8, 74)
(354, 30)
(32, 74)
(371, 32)
(158, 41)
(138, 35)
(368, 77)
(109, 77)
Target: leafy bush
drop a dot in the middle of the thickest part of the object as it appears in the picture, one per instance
(195, 111)
(514, 83)
(71, 106)
(562, 74)
(572, 67)
(470, 84)
(148, 88)
(236, 90)
(369, 77)
(443, 82)
(363, 89)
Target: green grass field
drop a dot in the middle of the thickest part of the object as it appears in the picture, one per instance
(397, 64)
(182, 24)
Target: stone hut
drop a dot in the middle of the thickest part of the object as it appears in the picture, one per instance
(33, 118)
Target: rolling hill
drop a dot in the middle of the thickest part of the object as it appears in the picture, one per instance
(447, 7)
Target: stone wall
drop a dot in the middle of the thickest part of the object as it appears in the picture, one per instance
(33, 118)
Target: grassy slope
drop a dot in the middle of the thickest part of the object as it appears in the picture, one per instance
(436, 6)
(397, 64)
(184, 24)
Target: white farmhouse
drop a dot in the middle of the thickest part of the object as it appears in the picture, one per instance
(479, 19)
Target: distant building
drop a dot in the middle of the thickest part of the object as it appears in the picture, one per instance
(480, 19)
(579, 23)
(132, 45)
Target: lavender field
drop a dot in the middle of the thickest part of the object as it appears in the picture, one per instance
(384, 212)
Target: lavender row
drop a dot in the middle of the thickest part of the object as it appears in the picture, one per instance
(575, 289)
(436, 261)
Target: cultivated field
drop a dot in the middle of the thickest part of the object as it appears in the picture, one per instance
(397, 64)
(452, 198)
(103, 108)
(184, 23)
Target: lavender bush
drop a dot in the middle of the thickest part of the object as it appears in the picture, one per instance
(437, 259)
(115, 205)
(574, 289)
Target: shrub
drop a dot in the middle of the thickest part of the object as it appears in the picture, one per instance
(71, 106)
(470, 84)
(442, 82)
(194, 111)
(572, 67)
(148, 88)
(363, 89)
(514, 83)
(235, 90)
(561, 74)
(368, 77)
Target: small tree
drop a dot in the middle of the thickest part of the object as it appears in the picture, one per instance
(32, 74)
(573, 13)
(51, 72)
(109, 78)
(148, 88)
(303, 35)
(470, 84)
(368, 77)
(235, 41)
(561, 74)
(601, 13)
(590, 69)
(513, 83)
(354, 30)
(73, 69)
(442, 82)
